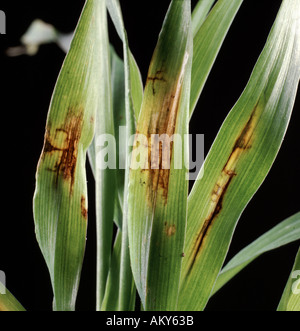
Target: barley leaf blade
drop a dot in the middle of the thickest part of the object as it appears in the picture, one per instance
(105, 172)
(240, 158)
(118, 104)
(119, 110)
(7, 301)
(284, 233)
(290, 300)
(208, 40)
(133, 99)
(60, 200)
(158, 193)
(111, 298)
(199, 14)
(133, 80)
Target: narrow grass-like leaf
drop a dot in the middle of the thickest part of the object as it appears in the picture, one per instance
(284, 233)
(105, 170)
(118, 102)
(200, 13)
(8, 302)
(118, 95)
(157, 190)
(240, 158)
(208, 40)
(111, 297)
(133, 80)
(114, 294)
(290, 300)
(60, 200)
(133, 100)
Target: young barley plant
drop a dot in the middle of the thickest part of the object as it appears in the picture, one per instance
(171, 243)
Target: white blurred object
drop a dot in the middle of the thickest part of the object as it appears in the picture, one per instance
(64, 41)
(40, 33)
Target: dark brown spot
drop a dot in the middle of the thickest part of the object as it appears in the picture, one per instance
(242, 143)
(157, 77)
(48, 146)
(170, 230)
(67, 159)
(84, 211)
(208, 223)
(161, 120)
(160, 156)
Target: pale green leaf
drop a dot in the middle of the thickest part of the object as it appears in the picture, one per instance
(105, 163)
(200, 13)
(284, 233)
(60, 199)
(208, 40)
(133, 100)
(111, 297)
(240, 158)
(157, 197)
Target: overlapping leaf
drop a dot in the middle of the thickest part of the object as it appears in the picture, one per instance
(240, 158)
(133, 100)
(60, 201)
(209, 34)
(158, 194)
(284, 233)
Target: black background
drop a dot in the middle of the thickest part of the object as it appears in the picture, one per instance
(26, 87)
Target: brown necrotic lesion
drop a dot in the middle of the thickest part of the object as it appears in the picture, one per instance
(241, 145)
(84, 211)
(64, 140)
(162, 124)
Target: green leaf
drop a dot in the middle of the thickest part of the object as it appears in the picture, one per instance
(282, 234)
(290, 300)
(208, 40)
(60, 199)
(133, 80)
(114, 293)
(7, 301)
(111, 297)
(105, 162)
(118, 104)
(240, 158)
(118, 95)
(157, 191)
(133, 100)
(200, 13)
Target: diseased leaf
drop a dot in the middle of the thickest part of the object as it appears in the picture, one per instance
(240, 158)
(157, 190)
(60, 199)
